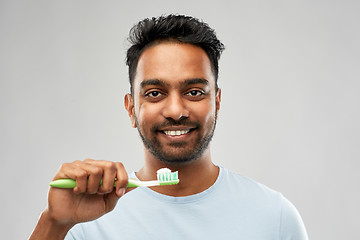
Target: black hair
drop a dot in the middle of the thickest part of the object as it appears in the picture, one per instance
(173, 28)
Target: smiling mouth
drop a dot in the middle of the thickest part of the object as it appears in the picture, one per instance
(176, 133)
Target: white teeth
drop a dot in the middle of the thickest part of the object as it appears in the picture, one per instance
(176, 133)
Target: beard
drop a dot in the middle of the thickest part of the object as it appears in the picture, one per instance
(176, 153)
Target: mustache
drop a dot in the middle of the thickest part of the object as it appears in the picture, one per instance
(172, 123)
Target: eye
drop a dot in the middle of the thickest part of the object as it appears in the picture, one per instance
(153, 94)
(195, 93)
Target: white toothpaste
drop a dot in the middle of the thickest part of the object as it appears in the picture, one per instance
(163, 170)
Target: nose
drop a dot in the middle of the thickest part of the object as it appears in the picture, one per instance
(175, 107)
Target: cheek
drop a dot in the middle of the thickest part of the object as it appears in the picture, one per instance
(205, 112)
(146, 113)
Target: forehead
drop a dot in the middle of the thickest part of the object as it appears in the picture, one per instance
(173, 63)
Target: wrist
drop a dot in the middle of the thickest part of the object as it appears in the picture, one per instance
(50, 229)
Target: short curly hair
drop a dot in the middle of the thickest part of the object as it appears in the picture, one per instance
(177, 28)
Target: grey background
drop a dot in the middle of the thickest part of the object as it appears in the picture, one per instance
(289, 115)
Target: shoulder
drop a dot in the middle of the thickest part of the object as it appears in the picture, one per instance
(292, 226)
(267, 201)
(248, 186)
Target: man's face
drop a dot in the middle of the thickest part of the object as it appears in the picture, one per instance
(174, 104)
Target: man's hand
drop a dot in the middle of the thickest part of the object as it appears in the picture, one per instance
(88, 200)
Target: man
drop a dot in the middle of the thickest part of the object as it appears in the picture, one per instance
(174, 104)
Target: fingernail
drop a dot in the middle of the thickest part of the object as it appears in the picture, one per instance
(121, 192)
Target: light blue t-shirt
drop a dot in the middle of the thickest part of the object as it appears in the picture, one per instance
(235, 207)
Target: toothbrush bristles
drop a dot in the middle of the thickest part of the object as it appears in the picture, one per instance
(168, 178)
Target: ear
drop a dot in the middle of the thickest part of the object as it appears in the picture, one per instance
(218, 101)
(129, 105)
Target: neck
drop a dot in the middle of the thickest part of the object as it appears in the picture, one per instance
(195, 177)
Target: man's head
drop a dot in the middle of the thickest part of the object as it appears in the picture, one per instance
(172, 28)
(175, 99)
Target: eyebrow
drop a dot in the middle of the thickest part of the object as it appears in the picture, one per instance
(192, 81)
(158, 82)
(152, 82)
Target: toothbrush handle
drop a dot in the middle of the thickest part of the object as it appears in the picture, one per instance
(70, 183)
(63, 183)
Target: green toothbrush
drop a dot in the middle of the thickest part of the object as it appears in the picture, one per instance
(164, 177)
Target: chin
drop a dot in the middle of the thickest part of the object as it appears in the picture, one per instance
(178, 158)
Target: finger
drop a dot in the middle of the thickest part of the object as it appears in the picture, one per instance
(109, 176)
(122, 179)
(76, 172)
(95, 174)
